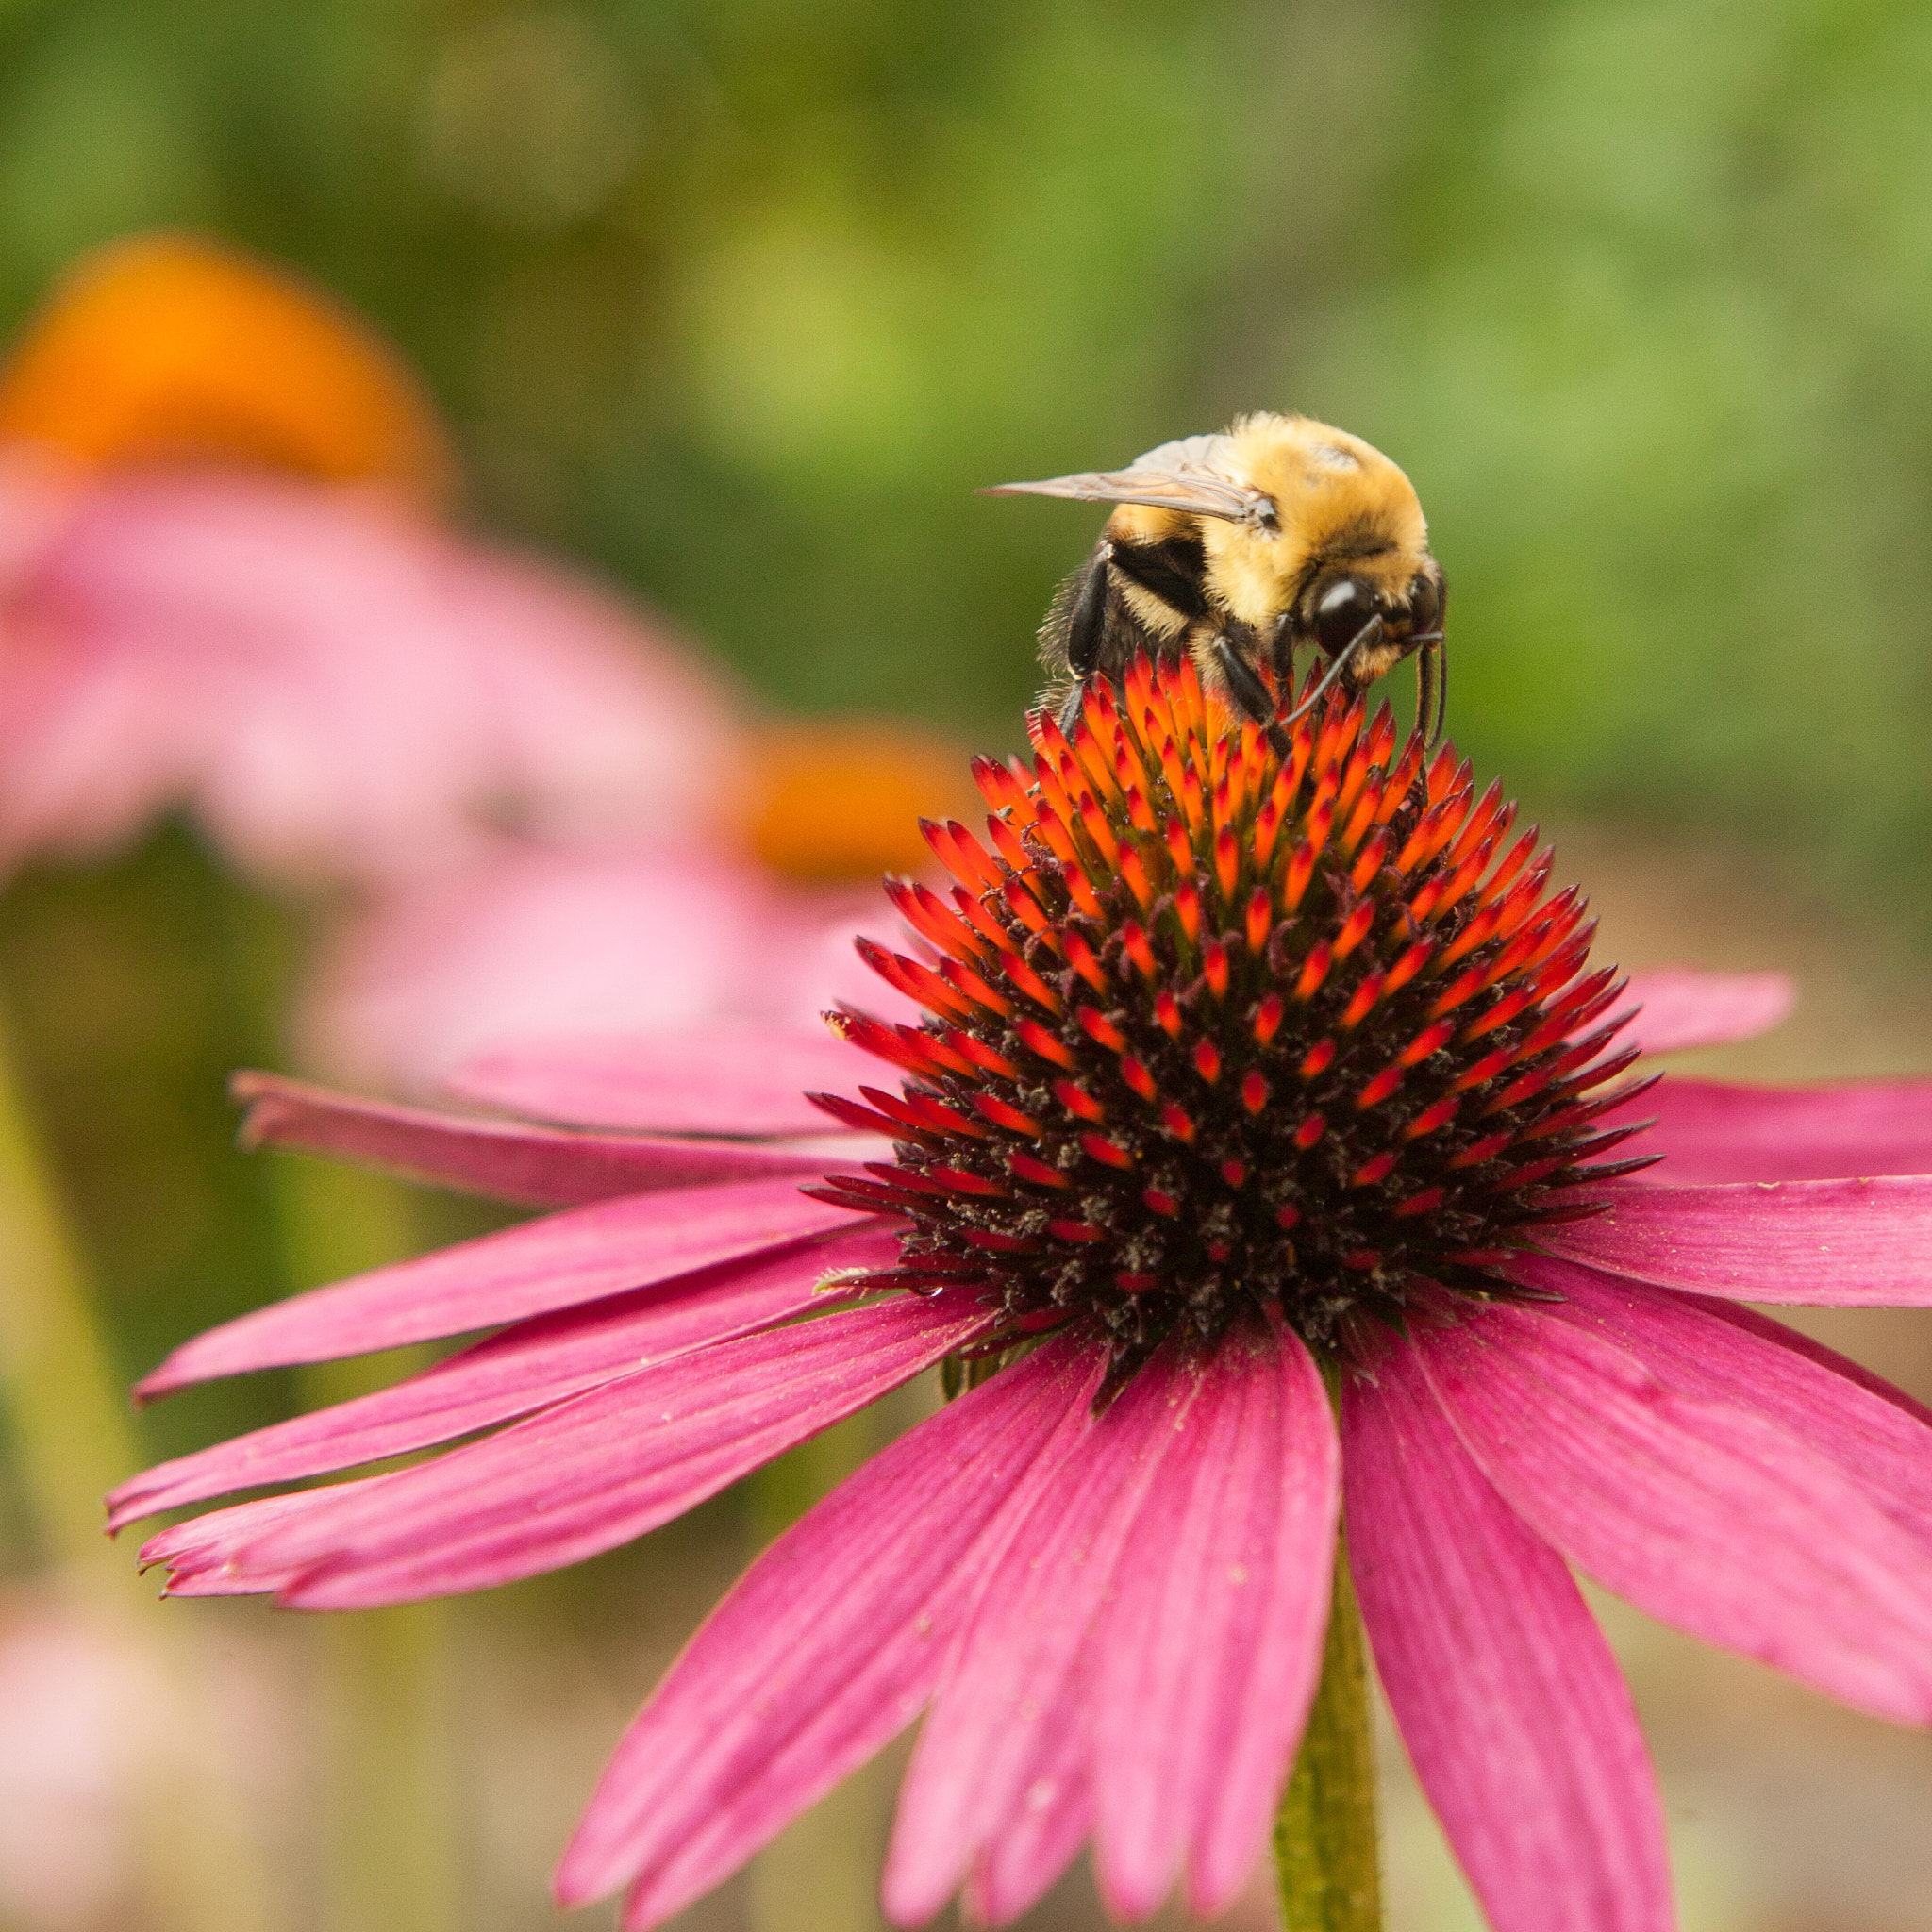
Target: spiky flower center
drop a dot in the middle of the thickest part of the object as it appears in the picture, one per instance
(1214, 1032)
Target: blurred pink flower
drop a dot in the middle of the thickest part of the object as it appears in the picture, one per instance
(751, 922)
(1338, 1102)
(542, 942)
(225, 587)
(335, 686)
(79, 1712)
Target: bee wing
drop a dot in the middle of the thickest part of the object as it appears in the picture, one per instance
(1192, 476)
(1189, 453)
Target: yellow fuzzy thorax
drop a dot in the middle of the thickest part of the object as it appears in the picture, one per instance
(1331, 491)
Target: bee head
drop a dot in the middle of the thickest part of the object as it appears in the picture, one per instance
(1405, 594)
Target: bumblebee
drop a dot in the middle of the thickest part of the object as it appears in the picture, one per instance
(1240, 550)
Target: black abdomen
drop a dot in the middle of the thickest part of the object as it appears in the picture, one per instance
(1126, 598)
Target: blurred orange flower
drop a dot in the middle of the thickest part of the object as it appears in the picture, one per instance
(168, 348)
(220, 588)
(842, 798)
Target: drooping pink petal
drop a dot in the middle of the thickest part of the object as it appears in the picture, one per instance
(1719, 1350)
(1707, 1509)
(1208, 1652)
(1843, 1244)
(566, 1258)
(603, 1467)
(1009, 1669)
(1738, 1316)
(737, 1082)
(1053, 1817)
(1516, 1717)
(1710, 1131)
(1683, 1008)
(538, 1167)
(827, 1647)
(524, 1368)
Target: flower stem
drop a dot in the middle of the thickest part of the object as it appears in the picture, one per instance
(71, 1424)
(73, 1438)
(1324, 1834)
(389, 1801)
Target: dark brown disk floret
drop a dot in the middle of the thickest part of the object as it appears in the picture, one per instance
(1212, 1032)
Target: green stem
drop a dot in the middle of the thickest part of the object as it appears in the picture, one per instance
(1324, 1834)
(74, 1440)
(73, 1433)
(391, 1861)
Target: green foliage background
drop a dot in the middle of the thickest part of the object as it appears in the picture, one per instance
(742, 300)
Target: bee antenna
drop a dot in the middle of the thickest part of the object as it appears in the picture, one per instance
(1370, 630)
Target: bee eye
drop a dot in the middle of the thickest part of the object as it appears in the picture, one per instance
(1344, 607)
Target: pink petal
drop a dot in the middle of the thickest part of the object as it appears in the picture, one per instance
(578, 1256)
(605, 720)
(196, 1553)
(601, 1468)
(1053, 1818)
(1209, 1650)
(1514, 1712)
(539, 1167)
(1008, 1672)
(1706, 1505)
(1738, 1316)
(740, 1080)
(827, 1647)
(1875, 1432)
(526, 1367)
(1684, 1009)
(1712, 1131)
(1855, 1243)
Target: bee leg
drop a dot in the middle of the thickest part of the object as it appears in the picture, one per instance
(1282, 652)
(1088, 624)
(1086, 632)
(1431, 690)
(1250, 693)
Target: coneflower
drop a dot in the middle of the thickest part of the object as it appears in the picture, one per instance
(1258, 1157)
(1218, 1037)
